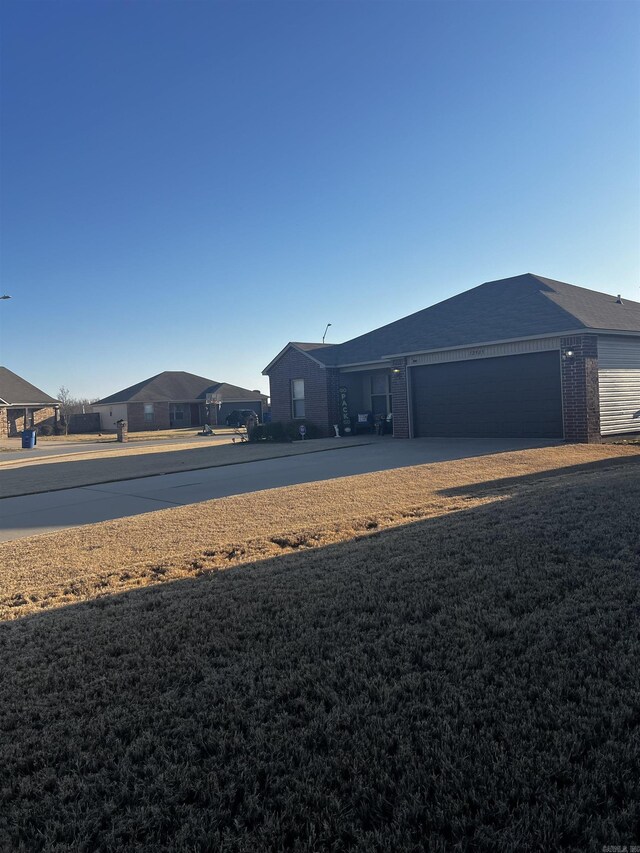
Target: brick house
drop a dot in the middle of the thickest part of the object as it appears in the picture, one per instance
(522, 357)
(175, 399)
(23, 406)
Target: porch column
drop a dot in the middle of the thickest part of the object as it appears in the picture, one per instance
(580, 388)
(333, 397)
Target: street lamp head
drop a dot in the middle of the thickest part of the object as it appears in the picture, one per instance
(6, 296)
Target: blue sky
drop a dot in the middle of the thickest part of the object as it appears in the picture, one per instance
(190, 185)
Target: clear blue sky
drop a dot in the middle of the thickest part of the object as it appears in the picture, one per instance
(190, 185)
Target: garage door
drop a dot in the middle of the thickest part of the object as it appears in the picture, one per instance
(508, 397)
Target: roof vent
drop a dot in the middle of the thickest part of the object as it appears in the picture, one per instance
(619, 300)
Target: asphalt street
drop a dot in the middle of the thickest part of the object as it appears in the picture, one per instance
(51, 511)
(13, 450)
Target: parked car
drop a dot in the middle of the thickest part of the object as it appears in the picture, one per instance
(239, 417)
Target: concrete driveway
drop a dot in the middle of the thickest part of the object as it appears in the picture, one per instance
(47, 512)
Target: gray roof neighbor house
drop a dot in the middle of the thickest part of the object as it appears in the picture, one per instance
(179, 386)
(525, 356)
(23, 406)
(16, 391)
(175, 398)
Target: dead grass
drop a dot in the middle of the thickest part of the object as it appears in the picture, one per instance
(8, 444)
(80, 564)
(461, 682)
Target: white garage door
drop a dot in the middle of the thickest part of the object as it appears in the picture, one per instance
(619, 380)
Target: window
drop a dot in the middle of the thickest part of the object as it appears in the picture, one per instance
(380, 392)
(148, 413)
(297, 397)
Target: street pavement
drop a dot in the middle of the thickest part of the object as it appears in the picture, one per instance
(51, 511)
(13, 451)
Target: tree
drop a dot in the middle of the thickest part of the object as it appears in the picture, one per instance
(66, 402)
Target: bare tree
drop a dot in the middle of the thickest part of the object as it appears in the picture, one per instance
(64, 396)
(72, 406)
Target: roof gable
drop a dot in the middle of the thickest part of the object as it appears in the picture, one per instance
(16, 391)
(308, 349)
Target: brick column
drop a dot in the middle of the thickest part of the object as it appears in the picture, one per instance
(333, 397)
(399, 397)
(4, 423)
(580, 392)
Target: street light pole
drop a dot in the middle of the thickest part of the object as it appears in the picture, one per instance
(4, 296)
(325, 332)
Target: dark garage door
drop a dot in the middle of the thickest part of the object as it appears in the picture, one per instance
(515, 396)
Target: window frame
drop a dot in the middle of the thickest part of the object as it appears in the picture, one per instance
(386, 395)
(296, 401)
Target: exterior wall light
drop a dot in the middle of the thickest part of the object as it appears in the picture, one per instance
(396, 370)
(569, 353)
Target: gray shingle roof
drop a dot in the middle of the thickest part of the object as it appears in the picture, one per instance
(177, 386)
(519, 307)
(16, 391)
(307, 347)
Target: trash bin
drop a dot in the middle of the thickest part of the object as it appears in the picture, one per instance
(28, 438)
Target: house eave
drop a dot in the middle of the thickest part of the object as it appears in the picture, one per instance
(563, 334)
(364, 365)
(40, 405)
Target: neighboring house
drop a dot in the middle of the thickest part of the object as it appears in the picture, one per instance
(23, 406)
(520, 357)
(176, 399)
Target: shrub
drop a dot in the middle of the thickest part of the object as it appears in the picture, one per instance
(274, 431)
(45, 429)
(283, 431)
(293, 428)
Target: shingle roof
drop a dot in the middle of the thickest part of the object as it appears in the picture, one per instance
(307, 347)
(510, 308)
(16, 391)
(177, 386)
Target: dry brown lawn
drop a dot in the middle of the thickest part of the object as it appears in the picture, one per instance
(81, 564)
(465, 681)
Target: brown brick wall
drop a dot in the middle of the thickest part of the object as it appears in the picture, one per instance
(320, 390)
(580, 392)
(4, 426)
(137, 423)
(399, 397)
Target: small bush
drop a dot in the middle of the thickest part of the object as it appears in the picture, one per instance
(283, 431)
(293, 427)
(45, 429)
(274, 431)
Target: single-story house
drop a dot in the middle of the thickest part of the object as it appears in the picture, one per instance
(23, 406)
(176, 399)
(522, 357)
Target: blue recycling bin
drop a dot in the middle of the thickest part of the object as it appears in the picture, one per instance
(28, 438)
